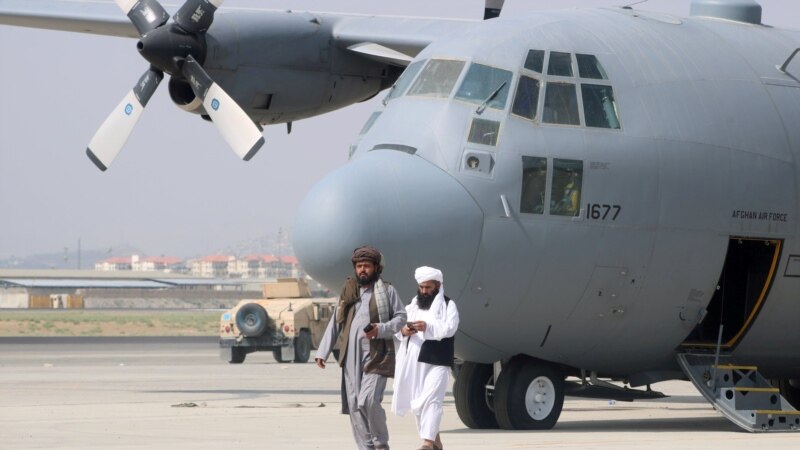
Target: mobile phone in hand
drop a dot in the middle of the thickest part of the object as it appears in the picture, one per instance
(368, 328)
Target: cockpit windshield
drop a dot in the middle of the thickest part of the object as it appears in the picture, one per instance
(437, 79)
(483, 83)
(402, 83)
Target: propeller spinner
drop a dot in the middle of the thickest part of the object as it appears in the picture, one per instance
(178, 49)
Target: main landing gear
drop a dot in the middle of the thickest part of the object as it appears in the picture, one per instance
(528, 395)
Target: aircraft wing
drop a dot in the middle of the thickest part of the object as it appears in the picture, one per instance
(298, 76)
(404, 35)
(383, 38)
(79, 16)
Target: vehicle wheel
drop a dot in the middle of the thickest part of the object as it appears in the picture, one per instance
(237, 355)
(251, 319)
(529, 395)
(473, 400)
(276, 353)
(302, 347)
(790, 390)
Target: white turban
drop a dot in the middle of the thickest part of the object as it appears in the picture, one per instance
(438, 308)
(426, 273)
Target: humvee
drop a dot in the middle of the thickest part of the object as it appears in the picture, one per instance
(286, 321)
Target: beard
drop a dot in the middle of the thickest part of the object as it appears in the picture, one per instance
(366, 280)
(424, 301)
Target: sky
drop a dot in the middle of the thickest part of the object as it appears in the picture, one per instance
(176, 188)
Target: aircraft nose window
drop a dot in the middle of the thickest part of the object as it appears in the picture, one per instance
(484, 131)
(589, 67)
(535, 60)
(402, 83)
(527, 98)
(437, 78)
(561, 104)
(485, 84)
(534, 182)
(560, 64)
(565, 197)
(599, 107)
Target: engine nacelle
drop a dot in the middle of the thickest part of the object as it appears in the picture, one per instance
(288, 68)
(182, 95)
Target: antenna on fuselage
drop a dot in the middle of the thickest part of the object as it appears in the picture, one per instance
(630, 5)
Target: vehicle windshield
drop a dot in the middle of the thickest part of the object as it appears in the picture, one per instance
(481, 82)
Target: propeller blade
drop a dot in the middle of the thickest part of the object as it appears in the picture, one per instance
(235, 125)
(492, 9)
(146, 15)
(195, 16)
(115, 130)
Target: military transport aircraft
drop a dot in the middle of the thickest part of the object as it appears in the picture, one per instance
(612, 193)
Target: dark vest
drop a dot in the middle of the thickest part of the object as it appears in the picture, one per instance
(438, 353)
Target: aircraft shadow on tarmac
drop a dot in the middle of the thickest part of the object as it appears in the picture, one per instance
(249, 392)
(688, 424)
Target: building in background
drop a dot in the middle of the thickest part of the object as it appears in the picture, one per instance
(255, 267)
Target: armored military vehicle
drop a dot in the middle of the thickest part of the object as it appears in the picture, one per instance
(286, 321)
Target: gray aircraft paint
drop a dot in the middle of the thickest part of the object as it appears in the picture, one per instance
(702, 108)
(706, 151)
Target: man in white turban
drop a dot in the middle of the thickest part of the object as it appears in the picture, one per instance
(425, 356)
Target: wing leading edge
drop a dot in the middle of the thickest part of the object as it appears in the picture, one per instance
(394, 40)
(77, 16)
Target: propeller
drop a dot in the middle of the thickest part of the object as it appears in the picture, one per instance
(179, 49)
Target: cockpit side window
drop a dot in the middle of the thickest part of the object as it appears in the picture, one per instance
(483, 83)
(535, 60)
(534, 183)
(561, 104)
(590, 67)
(599, 107)
(526, 98)
(565, 191)
(402, 83)
(560, 64)
(437, 78)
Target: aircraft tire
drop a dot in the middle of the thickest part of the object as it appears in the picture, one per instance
(302, 347)
(472, 404)
(528, 395)
(790, 391)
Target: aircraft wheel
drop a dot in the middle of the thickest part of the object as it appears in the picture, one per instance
(302, 347)
(473, 400)
(790, 390)
(529, 395)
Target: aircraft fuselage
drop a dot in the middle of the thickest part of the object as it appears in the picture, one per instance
(582, 229)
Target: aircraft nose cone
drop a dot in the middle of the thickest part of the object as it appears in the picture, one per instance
(411, 210)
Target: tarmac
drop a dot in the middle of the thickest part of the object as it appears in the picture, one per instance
(172, 393)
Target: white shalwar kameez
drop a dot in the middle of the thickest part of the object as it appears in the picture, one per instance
(420, 387)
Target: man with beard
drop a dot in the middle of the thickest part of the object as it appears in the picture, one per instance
(366, 318)
(425, 356)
